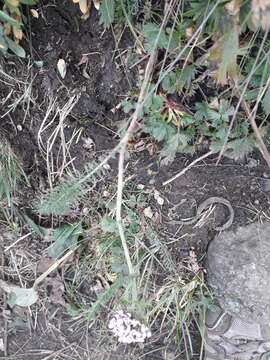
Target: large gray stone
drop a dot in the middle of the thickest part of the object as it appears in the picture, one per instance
(238, 271)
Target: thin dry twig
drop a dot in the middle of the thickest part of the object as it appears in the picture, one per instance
(131, 130)
(182, 172)
(18, 240)
(53, 267)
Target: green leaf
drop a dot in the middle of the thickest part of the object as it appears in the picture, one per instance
(154, 103)
(266, 102)
(172, 146)
(29, 2)
(64, 237)
(252, 95)
(19, 296)
(159, 129)
(109, 225)
(202, 110)
(169, 83)
(39, 230)
(215, 117)
(186, 76)
(107, 9)
(154, 37)
(70, 190)
(6, 18)
(60, 199)
(216, 146)
(239, 148)
(17, 49)
(224, 53)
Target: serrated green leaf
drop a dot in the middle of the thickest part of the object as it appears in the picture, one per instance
(17, 49)
(60, 199)
(65, 237)
(109, 225)
(159, 129)
(266, 102)
(6, 18)
(214, 117)
(172, 146)
(186, 76)
(154, 103)
(169, 83)
(216, 146)
(239, 148)
(107, 9)
(154, 37)
(201, 110)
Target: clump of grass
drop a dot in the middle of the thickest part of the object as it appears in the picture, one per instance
(170, 296)
(11, 171)
(199, 44)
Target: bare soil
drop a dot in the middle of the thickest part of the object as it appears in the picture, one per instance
(97, 73)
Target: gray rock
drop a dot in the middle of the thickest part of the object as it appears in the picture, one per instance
(238, 271)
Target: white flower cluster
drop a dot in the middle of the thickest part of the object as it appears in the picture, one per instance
(128, 330)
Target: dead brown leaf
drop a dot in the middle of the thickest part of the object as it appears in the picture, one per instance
(233, 7)
(96, 4)
(261, 13)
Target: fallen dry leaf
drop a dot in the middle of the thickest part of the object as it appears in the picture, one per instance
(2, 347)
(34, 13)
(96, 4)
(62, 68)
(18, 33)
(261, 13)
(158, 198)
(83, 4)
(148, 212)
(88, 143)
(233, 7)
(14, 3)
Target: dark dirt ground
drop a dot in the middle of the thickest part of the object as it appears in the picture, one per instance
(100, 84)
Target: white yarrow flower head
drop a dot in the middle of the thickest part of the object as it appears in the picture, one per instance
(127, 329)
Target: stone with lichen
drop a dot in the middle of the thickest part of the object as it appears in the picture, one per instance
(238, 272)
